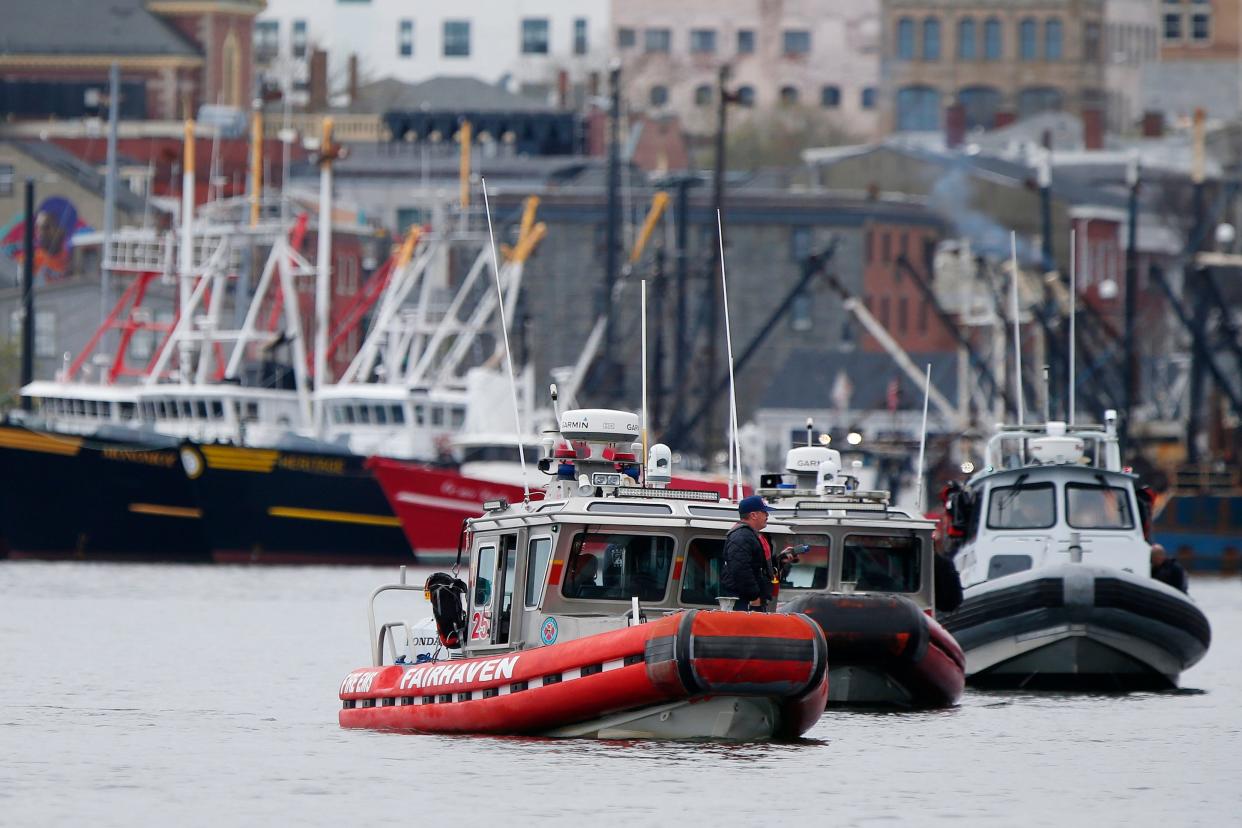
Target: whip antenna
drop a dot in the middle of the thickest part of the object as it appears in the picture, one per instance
(1017, 328)
(918, 492)
(504, 330)
(735, 460)
(644, 373)
(1073, 311)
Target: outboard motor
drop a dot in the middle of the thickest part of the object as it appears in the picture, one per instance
(446, 595)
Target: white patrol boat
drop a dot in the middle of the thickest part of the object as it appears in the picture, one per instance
(591, 612)
(864, 570)
(1054, 555)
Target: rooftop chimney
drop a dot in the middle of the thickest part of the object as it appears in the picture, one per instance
(353, 79)
(1093, 128)
(319, 80)
(954, 126)
(1153, 124)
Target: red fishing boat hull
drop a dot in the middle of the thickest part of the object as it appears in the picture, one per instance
(885, 650)
(691, 657)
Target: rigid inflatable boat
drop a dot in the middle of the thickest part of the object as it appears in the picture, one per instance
(865, 572)
(1054, 555)
(588, 613)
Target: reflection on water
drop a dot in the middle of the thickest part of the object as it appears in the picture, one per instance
(208, 695)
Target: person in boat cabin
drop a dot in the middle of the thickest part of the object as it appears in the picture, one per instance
(1167, 570)
(748, 574)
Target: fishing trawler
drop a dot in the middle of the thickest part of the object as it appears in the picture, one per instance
(1053, 547)
(573, 623)
(411, 390)
(863, 570)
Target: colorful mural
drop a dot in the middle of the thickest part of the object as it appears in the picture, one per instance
(56, 223)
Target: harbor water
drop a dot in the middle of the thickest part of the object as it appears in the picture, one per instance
(207, 695)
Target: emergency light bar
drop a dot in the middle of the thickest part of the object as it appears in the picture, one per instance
(668, 494)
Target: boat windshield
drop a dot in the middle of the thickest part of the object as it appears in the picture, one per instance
(1097, 507)
(497, 454)
(700, 576)
(617, 567)
(1022, 507)
(811, 570)
(882, 563)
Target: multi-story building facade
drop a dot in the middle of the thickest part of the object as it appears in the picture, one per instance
(818, 54)
(998, 60)
(1131, 45)
(173, 56)
(1200, 45)
(548, 48)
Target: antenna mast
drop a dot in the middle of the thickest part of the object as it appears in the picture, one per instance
(504, 330)
(643, 285)
(918, 492)
(735, 460)
(1017, 327)
(1073, 313)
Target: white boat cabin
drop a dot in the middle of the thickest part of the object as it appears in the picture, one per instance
(847, 539)
(1050, 495)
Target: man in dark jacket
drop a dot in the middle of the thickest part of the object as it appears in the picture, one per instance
(1167, 570)
(747, 571)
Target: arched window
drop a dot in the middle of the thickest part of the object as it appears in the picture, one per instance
(1028, 46)
(746, 95)
(966, 39)
(918, 109)
(1038, 99)
(1053, 39)
(659, 95)
(980, 105)
(905, 38)
(931, 39)
(703, 95)
(830, 97)
(789, 95)
(230, 72)
(993, 39)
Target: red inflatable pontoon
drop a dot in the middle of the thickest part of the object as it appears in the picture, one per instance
(697, 673)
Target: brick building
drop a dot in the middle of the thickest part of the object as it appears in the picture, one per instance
(989, 63)
(174, 55)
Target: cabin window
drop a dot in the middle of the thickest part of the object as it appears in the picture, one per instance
(1022, 507)
(1097, 507)
(381, 414)
(397, 414)
(457, 416)
(127, 410)
(91, 409)
(881, 563)
(497, 454)
(537, 555)
(420, 415)
(700, 573)
(504, 588)
(217, 410)
(364, 414)
(201, 407)
(437, 415)
(252, 411)
(616, 507)
(812, 569)
(726, 512)
(187, 409)
(618, 566)
(481, 612)
(348, 412)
